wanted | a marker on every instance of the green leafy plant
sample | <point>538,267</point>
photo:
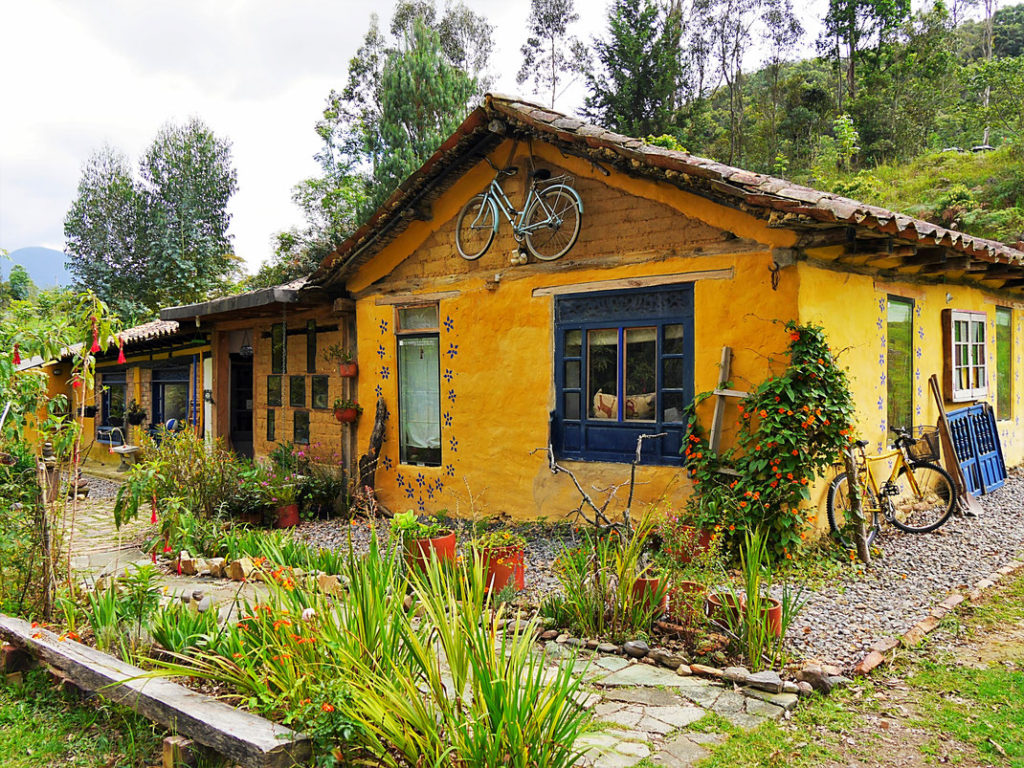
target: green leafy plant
<point>408,527</point>
<point>339,353</point>
<point>180,629</point>
<point>344,404</point>
<point>499,539</point>
<point>792,428</point>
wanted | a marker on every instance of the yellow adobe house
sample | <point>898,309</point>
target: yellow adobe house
<point>166,371</point>
<point>483,363</point>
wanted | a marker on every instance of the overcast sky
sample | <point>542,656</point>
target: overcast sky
<point>77,75</point>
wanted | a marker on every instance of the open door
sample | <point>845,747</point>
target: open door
<point>241,407</point>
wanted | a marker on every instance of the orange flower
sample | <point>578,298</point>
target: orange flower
<point>282,622</point>
<point>795,452</point>
<point>774,483</point>
<point>327,707</point>
<point>794,335</point>
<point>789,475</point>
<point>782,410</point>
<point>305,701</point>
<point>821,361</point>
<point>732,527</point>
<point>236,655</point>
<point>764,413</point>
<point>743,504</point>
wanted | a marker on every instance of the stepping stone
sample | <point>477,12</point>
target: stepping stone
<point>764,709</point>
<point>651,697</point>
<point>627,718</point>
<point>676,717</point>
<point>612,663</point>
<point>680,752</point>
<point>784,700</point>
<point>728,702</point>
<point>646,675</point>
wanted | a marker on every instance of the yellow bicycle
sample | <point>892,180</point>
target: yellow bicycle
<point>917,496</point>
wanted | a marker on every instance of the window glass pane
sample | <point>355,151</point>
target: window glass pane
<point>572,373</point>
<point>673,339</point>
<point>417,318</point>
<point>319,394</point>
<point>277,348</point>
<point>271,427</point>
<point>572,405</point>
<point>573,343</point>
<point>419,400</point>
<point>979,330</point>
<point>301,427</point>
<point>1004,363</point>
<point>959,332</point>
<point>602,373</point>
<point>170,402</point>
<point>673,372</point>
<point>273,390</point>
<point>641,366</point>
<point>900,372</point>
<point>297,391</point>
<point>672,406</point>
<point>311,346</point>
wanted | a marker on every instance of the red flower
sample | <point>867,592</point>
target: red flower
<point>794,335</point>
<point>120,351</point>
<point>17,357</point>
<point>327,707</point>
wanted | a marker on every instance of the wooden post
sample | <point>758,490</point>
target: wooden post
<point>368,461</point>
<point>856,506</point>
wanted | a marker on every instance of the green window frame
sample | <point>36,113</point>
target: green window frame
<point>1004,363</point>
<point>900,363</point>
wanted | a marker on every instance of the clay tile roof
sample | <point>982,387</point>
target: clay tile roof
<point>797,206</point>
<point>151,330</point>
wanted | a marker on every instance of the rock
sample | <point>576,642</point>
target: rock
<point>666,659</point>
<point>203,605</point>
<point>592,645</point>
<point>330,585</point>
<point>197,594</point>
<point>205,574</point>
<point>831,669</point>
<point>548,634</point>
<point>562,638</point>
<point>575,642</point>
<point>765,681</point>
<point>648,661</point>
<point>188,566</point>
<point>838,681</point>
<point>683,670</point>
<point>241,569</point>
<point>554,650</point>
<point>735,674</point>
<point>636,648</point>
<point>804,688</point>
<point>216,566</point>
<point>704,671</point>
<point>817,677</point>
<point>608,648</point>
<point>790,687</point>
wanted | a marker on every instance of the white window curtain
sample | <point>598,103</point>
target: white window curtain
<point>419,392</point>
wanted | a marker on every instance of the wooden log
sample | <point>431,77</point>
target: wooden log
<point>240,736</point>
<point>368,461</point>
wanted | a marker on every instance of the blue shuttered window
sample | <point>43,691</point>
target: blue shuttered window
<point>623,367</point>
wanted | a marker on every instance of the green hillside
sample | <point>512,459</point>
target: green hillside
<point>979,193</point>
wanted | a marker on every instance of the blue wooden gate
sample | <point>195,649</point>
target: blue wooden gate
<point>976,441</point>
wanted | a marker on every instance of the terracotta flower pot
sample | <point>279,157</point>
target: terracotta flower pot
<point>699,541</point>
<point>348,370</point>
<point>503,566</point>
<point>724,607</point>
<point>772,615</point>
<point>646,591</point>
<point>287,516</point>
<point>346,415</point>
<point>418,552</point>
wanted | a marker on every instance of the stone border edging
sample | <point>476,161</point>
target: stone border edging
<point>914,635</point>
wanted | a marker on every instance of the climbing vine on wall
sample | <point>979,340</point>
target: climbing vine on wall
<point>791,429</point>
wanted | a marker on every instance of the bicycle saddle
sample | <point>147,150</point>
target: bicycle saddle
<point>861,443</point>
<point>541,174</point>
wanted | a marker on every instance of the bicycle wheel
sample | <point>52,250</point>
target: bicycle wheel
<point>840,518</point>
<point>925,511</point>
<point>475,227</point>
<point>552,223</point>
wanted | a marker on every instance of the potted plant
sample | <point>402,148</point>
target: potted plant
<point>347,366</point>
<point>136,415</point>
<point>347,411</point>
<point>501,553</point>
<point>423,540</point>
<point>283,497</point>
<point>690,535</point>
<point>650,589</point>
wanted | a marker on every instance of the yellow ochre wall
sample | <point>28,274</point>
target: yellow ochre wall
<point>496,337</point>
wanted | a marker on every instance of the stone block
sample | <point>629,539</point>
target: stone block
<point>179,752</point>
<point>216,566</point>
<point>703,671</point>
<point>666,659</point>
<point>765,681</point>
<point>886,644</point>
<point>868,663</point>
<point>241,569</point>
<point>735,674</point>
<point>952,601</point>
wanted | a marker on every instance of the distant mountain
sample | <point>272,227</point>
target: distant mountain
<point>44,265</point>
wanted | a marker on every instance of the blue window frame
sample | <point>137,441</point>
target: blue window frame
<point>623,368</point>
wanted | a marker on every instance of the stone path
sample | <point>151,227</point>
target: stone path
<point>643,711</point>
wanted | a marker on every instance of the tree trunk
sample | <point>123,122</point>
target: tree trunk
<point>856,507</point>
<point>368,461</point>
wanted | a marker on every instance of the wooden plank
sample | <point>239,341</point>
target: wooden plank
<point>240,736</point>
<point>635,282</point>
<point>715,438</point>
<point>415,298</point>
<point>730,393</point>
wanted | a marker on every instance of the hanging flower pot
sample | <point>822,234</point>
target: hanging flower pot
<point>348,370</point>
<point>347,411</point>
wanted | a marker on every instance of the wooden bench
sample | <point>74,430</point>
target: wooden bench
<point>240,736</point>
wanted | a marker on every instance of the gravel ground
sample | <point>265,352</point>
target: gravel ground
<point>101,488</point>
<point>840,621</point>
<point>915,572</point>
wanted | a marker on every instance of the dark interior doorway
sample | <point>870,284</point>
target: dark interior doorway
<point>241,407</point>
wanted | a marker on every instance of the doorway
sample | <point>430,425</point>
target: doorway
<point>241,407</point>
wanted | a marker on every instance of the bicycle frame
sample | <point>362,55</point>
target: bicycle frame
<point>900,463</point>
<point>495,194</point>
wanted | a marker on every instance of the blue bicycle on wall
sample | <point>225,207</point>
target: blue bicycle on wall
<point>548,224</point>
